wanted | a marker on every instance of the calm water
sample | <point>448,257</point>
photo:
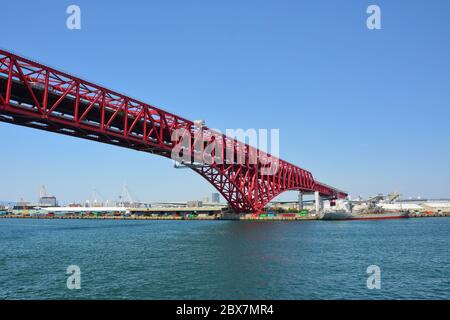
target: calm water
<point>225,259</point>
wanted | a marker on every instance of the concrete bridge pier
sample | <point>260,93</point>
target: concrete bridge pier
<point>318,203</point>
<point>300,200</point>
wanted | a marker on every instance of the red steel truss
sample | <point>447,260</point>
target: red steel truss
<point>37,96</point>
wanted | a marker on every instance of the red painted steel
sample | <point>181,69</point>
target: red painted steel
<point>38,96</point>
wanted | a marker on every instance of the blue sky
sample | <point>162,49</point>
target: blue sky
<point>365,110</point>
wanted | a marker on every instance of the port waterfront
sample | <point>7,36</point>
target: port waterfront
<point>219,217</point>
<point>244,217</point>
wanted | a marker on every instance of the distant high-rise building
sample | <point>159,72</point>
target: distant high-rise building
<point>215,198</point>
<point>48,201</point>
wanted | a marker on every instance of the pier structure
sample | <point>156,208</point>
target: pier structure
<point>317,203</point>
<point>300,201</point>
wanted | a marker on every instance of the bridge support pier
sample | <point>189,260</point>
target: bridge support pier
<point>318,203</point>
<point>300,200</point>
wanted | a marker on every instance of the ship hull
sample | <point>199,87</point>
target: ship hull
<point>381,216</point>
<point>349,216</point>
<point>337,216</point>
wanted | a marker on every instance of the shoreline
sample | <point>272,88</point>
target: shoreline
<point>227,218</point>
<point>167,218</point>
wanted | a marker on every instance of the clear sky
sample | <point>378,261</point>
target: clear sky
<point>365,110</point>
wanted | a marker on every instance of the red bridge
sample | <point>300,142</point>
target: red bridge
<point>37,96</point>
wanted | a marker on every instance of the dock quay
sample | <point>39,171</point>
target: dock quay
<point>429,214</point>
<point>242,217</point>
<point>228,217</point>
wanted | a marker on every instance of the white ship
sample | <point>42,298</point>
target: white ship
<point>342,210</point>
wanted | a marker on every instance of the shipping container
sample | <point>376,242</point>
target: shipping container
<point>288,215</point>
